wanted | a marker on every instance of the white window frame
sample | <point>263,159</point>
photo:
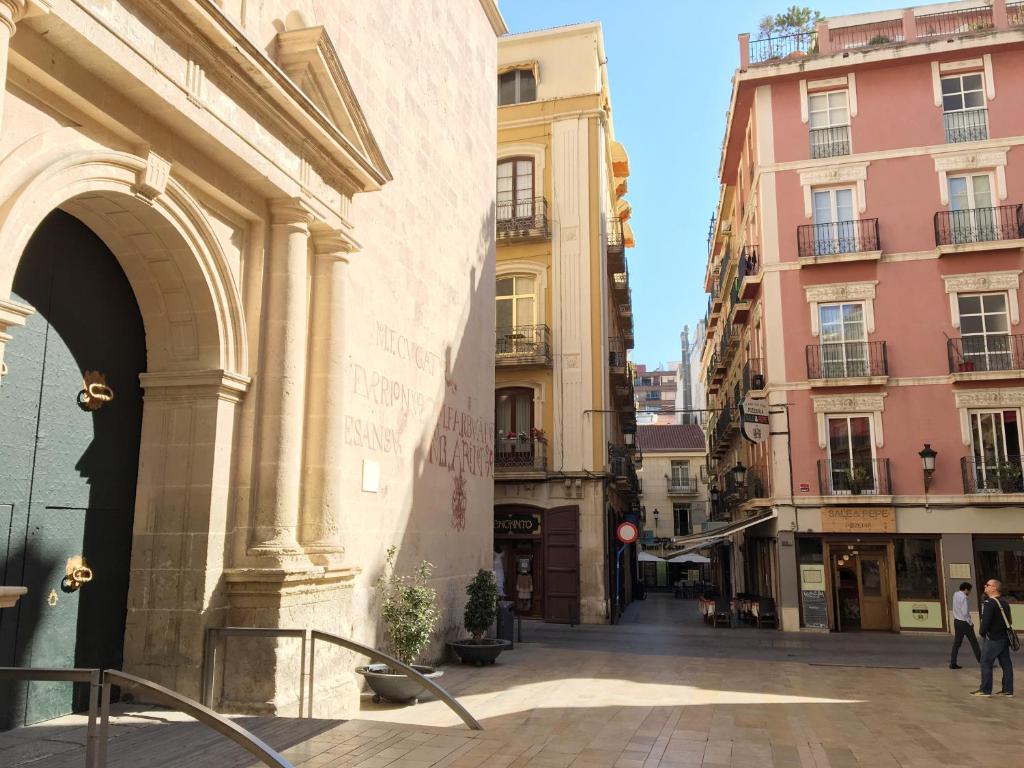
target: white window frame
<point>848,366</point>
<point>981,470</point>
<point>1000,358</point>
<point>684,470</point>
<point>972,217</point>
<point>837,239</point>
<point>960,76</point>
<point>871,442</point>
<point>828,108</point>
<point>677,508</point>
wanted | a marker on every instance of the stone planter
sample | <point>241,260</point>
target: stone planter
<point>478,652</point>
<point>397,689</point>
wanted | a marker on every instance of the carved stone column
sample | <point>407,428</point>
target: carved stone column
<point>282,382</point>
<point>11,314</point>
<point>11,12</point>
<point>322,490</point>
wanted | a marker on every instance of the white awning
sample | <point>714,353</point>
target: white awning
<point>646,557</point>
<point>694,541</point>
<point>690,558</point>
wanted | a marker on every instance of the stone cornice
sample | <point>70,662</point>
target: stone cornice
<point>188,385</point>
<point>493,15</point>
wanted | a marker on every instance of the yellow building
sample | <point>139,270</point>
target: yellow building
<point>564,474</point>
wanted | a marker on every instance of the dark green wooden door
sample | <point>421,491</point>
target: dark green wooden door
<point>67,474</point>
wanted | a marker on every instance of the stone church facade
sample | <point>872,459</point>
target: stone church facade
<point>246,325</point>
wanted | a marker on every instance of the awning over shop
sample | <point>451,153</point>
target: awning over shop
<point>694,541</point>
<point>690,558</point>
<point>624,210</point>
<point>627,235</point>
<point>647,557</point>
<point>620,160</point>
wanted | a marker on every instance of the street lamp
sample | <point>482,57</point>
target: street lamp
<point>928,464</point>
<point>739,474</point>
<point>627,438</point>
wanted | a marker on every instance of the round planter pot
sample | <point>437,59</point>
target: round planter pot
<point>397,689</point>
<point>479,653</point>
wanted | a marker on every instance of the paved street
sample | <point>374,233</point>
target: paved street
<point>659,690</point>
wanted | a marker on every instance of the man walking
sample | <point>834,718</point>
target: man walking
<point>995,612</point>
<point>962,625</point>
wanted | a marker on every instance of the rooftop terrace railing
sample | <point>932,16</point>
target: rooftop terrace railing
<point>862,35</point>
<point>957,22</point>
<point>783,46</point>
<point>1015,14</point>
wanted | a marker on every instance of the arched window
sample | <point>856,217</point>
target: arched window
<point>515,312</point>
<point>515,189</point>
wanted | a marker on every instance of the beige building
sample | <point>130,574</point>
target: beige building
<point>674,482</point>
<point>564,474</point>
<point>247,284</point>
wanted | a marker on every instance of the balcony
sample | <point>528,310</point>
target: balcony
<point>867,477</point>
<point>966,125</point>
<point>753,378</point>
<point>1015,14</point>
<point>991,356</point>
<point>617,356</point>
<point>710,319</point>
<point>866,35</point>
<point>988,474</point>
<point>522,345</point>
<point>522,219</point>
<point>755,486</point>
<point>616,246</point>
<point>794,46</point>
<point>847,363</point>
<point>830,142</point>
<point>623,470</point>
<point>952,23</point>
<point>971,226</point>
<point>681,486</point>
<point>838,241</point>
<point>749,272</point>
<point>520,454</point>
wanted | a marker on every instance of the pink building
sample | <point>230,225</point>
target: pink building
<point>864,272</point>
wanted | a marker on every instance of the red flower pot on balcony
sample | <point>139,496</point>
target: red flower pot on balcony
<point>966,367</point>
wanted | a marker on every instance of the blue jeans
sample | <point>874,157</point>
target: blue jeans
<point>992,650</point>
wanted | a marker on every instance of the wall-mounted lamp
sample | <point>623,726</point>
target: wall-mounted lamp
<point>627,438</point>
<point>739,474</point>
<point>928,464</point>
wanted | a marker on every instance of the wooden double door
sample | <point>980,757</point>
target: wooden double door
<point>862,587</point>
<point>68,465</point>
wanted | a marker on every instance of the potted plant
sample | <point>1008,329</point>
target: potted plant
<point>879,40</point>
<point>1007,476</point>
<point>860,480</point>
<point>409,614</point>
<point>481,611</point>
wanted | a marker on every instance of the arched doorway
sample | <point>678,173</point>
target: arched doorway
<point>68,483</point>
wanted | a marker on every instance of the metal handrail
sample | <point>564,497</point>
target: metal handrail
<point>310,636</point>
<point>195,710</point>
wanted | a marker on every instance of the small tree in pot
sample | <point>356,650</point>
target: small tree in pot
<point>481,611</point>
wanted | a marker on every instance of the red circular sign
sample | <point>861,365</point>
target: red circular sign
<point>627,533</point>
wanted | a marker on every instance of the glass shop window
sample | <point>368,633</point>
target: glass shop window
<point>917,569</point>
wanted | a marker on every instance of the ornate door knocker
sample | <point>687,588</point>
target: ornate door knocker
<point>95,393</point>
<point>77,573</point>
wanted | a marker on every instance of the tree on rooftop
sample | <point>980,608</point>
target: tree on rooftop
<point>795,20</point>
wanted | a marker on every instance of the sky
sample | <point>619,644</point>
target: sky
<point>670,63</point>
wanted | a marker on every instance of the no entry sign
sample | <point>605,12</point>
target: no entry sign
<point>627,533</point>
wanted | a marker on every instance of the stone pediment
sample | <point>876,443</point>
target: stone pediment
<point>309,58</point>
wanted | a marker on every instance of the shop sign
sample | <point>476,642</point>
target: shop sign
<point>858,520</point>
<point>517,524</point>
<point>920,615</point>
<point>754,420</point>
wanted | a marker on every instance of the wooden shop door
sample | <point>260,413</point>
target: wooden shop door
<point>562,565</point>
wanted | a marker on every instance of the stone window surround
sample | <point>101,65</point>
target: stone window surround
<point>982,282</point>
<point>967,66</point>
<point>525,149</point>
<point>839,174</point>
<point>846,82</point>
<point>871,405</point>
<point>831,293</point>
<point>538,396</point>
<point>984,399</point>
<point>529,269</point>
<point>987,160</point>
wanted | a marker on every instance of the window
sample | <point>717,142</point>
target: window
<point>513,420</point>
<point>844,347</point>
<point>515,314</point>
<point>516,87</point>
<point>917,569</point>
<point>963,107</point>
<point>653,395</point>
<point>680,519</point>
<point>995,450</point>
<point>834,228</point>
<point>970,202</point>
<point>1002,559</point>
<point>515,189</point>
<point>985,331</point>
<point>680,472</point>
<point>829,121</point>
<point>850,454</point>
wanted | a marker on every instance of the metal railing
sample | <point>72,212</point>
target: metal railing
<point>979,225</point>
<point>616,240</point>
<point>867,477</point>
<point>863,35</point>
<point>1015,14</point>
<point>98,719</point>
<point>681,485</point>
<point>989,352</point>
<point>836,237</point>
<point>955,22</point>
<point>783,46</point>
<point>617,353</point>
<point>830,142</point>
<point>522,452</point>
<point>847,360</point>
<point>522,344</point>
<point>755,486</point>
<point>307,677</point>
<point>989,474</point>
<point>966,125</point>
<point>750,261</point>
<point>753,377</point>
<point>522,218</point>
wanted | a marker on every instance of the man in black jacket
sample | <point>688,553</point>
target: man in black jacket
<point>997,644</point>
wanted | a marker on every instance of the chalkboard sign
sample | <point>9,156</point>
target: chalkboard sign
<point>815,611</point>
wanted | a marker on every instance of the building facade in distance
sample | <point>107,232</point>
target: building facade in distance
<point>564,466</point>
<point>656,394</point>
<point>246,300</point>
<point>864,273</point>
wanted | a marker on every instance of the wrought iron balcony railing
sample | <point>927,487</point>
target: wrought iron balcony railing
<point>847,360</point>
<point>617,353</point>
<point>863,35</point>
<point>979,225</point>
<point>867,477</point>
<point>986,352</point>
<point>753,375</point>
<point>966,125</point>
<point>1015,14</point>
<point>957,22</point>
<point>520,452</point>
<point>830,142</point>
<point>616,240</point>
<point>991,474</point>
<point>832,238</point>
<point>755,486</point>
<point>522,218</point>
<point>681,486</point>
<point>522,344</point>
<point>783,46</point>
